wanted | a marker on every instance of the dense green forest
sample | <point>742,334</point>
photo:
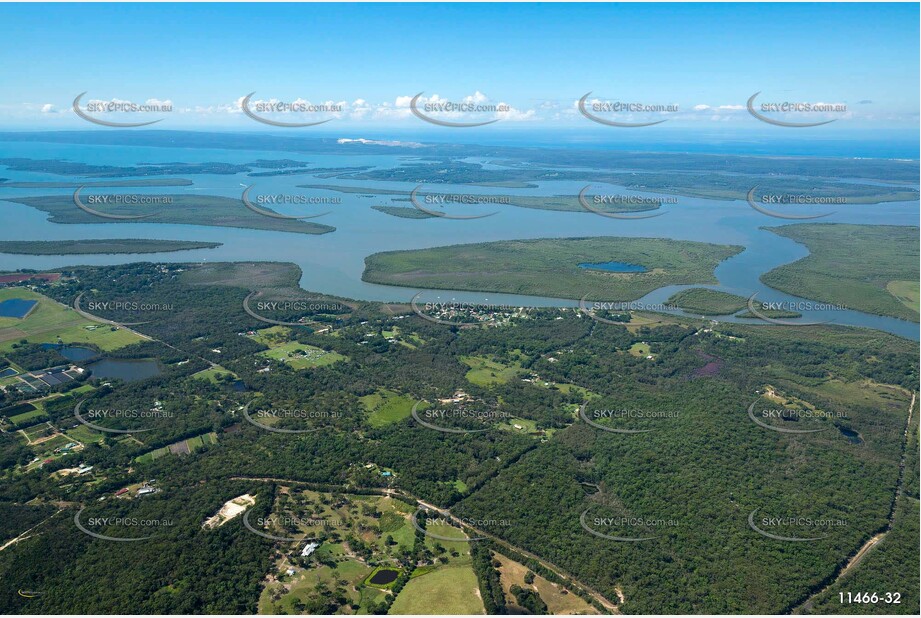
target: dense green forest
<point>689,480</point>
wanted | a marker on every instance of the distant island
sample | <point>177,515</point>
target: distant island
<point>553,267</point>
<point>211,210</point>
<point>100,246</point>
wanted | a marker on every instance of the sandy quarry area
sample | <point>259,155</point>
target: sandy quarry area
<point>231,509</point>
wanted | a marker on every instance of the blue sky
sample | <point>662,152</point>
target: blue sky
<point>537,60</point>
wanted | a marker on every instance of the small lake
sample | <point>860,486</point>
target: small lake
<point>129,370</point>
<point>614,267</point>
<point>16,307</point>
<point>72,352</point>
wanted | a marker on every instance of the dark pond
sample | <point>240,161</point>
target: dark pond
<point>614,267</point>
<point>384,576</point>
<point>850,434</point>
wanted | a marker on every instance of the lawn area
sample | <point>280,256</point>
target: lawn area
<point>82,433</point>
<point>273,336</point>
<point>572,388</point>
<point>297,588</point>
<point>486,372</point>
<point>211,374</point>
<point>183,446</point>
<point>301,356</point>
<point>640,349</point>
<point>372,519</point>
<point>449,589</point>
<point>523,425</point>
<point>385,407</point>
<point>50,321</point>
<point>870,268</point>
<point>23,419</point>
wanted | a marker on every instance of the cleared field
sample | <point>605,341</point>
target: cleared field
<point>291,593</point>
<point>908,293</point>
<point>84,434</point>
<point>23,419</point>
<point>381,531</point>
<point>558,600</point>
<point>385,407</point>
<point>301,356</point>
<point>51,321</point>
<point>183,447</point>
<point>640,349</point>
<point>448,590</point>
<point>211,374</point>
<point>486,372</point>
<point>273,336</point>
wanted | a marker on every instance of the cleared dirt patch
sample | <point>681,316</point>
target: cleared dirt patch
<point>232,508</point>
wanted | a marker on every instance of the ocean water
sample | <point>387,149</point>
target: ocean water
<point>333,263</point>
